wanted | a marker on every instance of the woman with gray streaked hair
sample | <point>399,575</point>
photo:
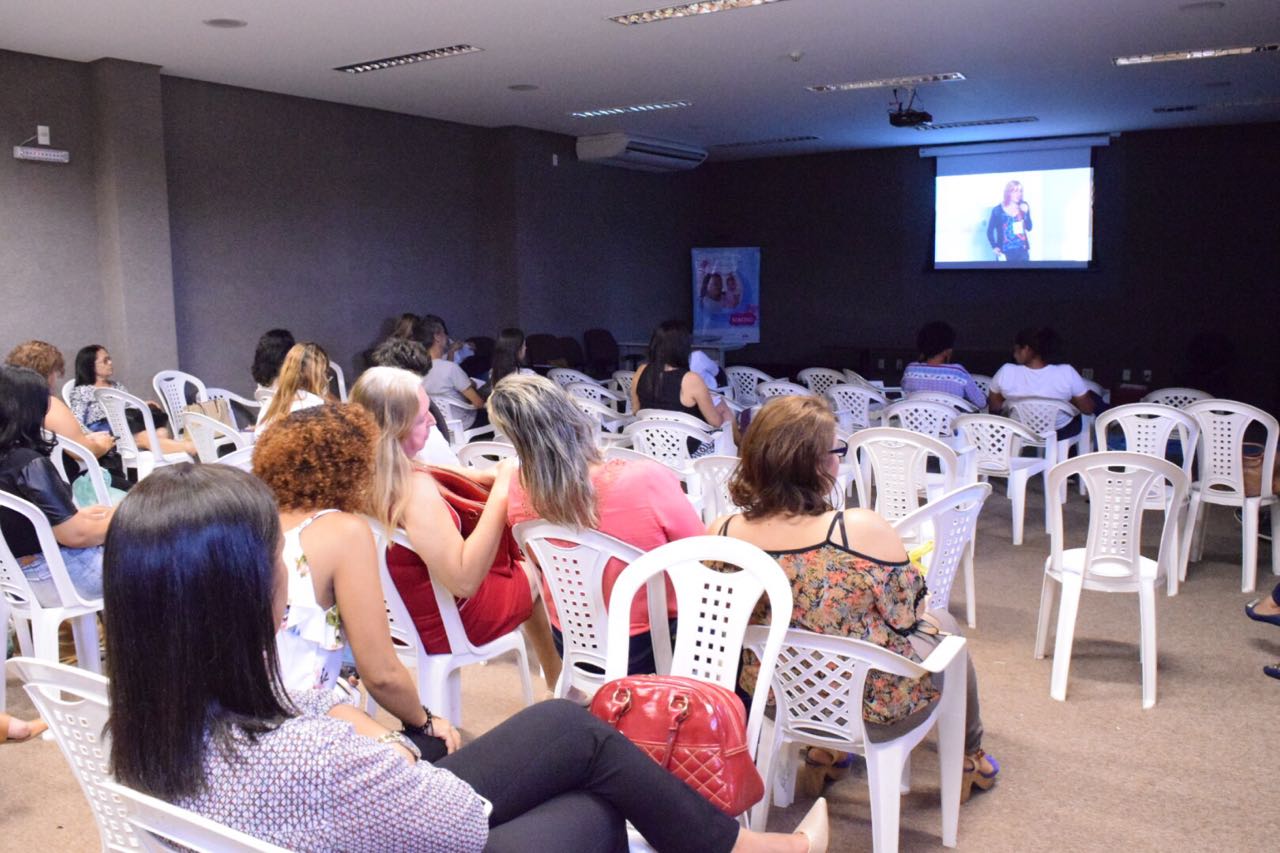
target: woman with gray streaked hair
<point>564,479</point>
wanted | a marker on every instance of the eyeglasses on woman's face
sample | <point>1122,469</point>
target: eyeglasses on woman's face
<point>841,449</point>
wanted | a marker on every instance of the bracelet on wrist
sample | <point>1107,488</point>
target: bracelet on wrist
<point>426,728</point>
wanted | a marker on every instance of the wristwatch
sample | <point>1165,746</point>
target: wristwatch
<point>400,740</point>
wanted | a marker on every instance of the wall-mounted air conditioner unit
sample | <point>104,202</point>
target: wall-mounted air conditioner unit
<point>637,152</point>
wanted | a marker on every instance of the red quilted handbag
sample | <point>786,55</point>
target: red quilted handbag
<point>695,729</point>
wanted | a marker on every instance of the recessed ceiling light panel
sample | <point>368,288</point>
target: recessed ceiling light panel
<point>408,58</point>
<point>888,82</point>
<point>634,108</point>
<point>779,140</point>
<point>985,122</point>
<point>1200,53</point>
<point>686,10</point>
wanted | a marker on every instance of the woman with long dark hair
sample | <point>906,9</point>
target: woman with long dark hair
<point>666,382</point>
<point>272,347</point>
<point>201,545</point>
<point>27,472</point>
<point>95,369</point>
<point>849,574</point>
<point>508,358</point>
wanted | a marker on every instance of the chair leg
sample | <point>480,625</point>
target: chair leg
<point>1249,555</point>
<point>526,682</point>
<point>1046,610</point>
<point>1275,534</point>
<point>85,631</point>
<point>44,639</point>
<point>970,591</point>
<point>884,774</point>
<point>1189,533</point>
<point>1068,605</point>
<point>1147,626</point>
<point>951,734</point>
<point>1202,525</point>
<point>1017,492</point>
<point>904,783</point>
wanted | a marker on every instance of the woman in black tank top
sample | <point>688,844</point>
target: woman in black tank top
<point>666,382</point>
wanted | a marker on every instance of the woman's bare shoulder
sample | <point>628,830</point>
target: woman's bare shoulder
<point>870,534</point>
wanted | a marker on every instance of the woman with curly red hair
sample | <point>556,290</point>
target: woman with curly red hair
<point>319,462</point>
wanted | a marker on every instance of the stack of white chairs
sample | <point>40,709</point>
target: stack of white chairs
<point>36,625</point>
<point>857,406</point>
<point>439,676</point>
<point>566,376</point>
<point>115,402</point>
<point>745,380</point>
<point>820,379</point>
<point>998,443</point>
<point>1220,480</point>
<point>1178,398</point>
<point>1111,559</point>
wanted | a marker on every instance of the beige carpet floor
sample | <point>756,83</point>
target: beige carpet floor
<point>1094,773</point>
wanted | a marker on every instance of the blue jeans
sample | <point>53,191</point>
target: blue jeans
<point>84,565</point>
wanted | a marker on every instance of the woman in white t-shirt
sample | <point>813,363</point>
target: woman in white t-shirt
<point>303,382</point>
<point>1035,376</point>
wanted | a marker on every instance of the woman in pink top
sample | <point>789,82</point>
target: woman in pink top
<point>565,480</point>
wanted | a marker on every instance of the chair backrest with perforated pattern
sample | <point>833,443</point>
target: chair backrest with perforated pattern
<point>960,404</point>
<point>566,376</point>
<point>74,704</point>
<point>1178,398</point>
<point>484,454</point>
<point>819,379</point>
<point>922,416</point>
<point>897,460</point>
<point>204,433</point>
<point>781,388</point>
<point>66,447</point>
<point>665,440</point>
<point>744,381</point>
<point>160,826</point>
<point>714,472</point>
<point>171,387</point>
<point>1147,429</point>
<point>950,521</point>
<point>1220,452</point>
<point>1039,414</point>
<point>996,440</point>
<point>1115,483</point>
<point>857,400</point>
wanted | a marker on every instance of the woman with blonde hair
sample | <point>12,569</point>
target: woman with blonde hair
<point>849,574</point>
<point>496,593</point>
<point>303,382</point>
<point>565,480</point>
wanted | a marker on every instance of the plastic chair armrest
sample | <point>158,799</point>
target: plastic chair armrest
<point>942,656</point>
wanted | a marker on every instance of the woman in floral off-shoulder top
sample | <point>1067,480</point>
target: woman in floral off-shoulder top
<point>849,574</point>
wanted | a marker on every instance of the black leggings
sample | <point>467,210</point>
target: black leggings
<point>559,779</point>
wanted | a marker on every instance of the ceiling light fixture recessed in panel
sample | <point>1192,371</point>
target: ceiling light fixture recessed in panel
<point>408,58</point>
<point>888,82</point>
<point>225,23</point>
<point>984,122</point>
<point>1199,53</point>
<point>685,10</point>
<point>778,140</point>
<point>634,108</point>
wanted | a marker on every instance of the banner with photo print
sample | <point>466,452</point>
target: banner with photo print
<point>726,294</point>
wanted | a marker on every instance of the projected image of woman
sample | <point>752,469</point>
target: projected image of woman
<point>1008,226</point>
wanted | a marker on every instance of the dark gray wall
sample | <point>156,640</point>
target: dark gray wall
<point>1185,222</point>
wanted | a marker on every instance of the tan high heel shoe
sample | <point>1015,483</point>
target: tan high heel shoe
<point>980,770</point>
<point>816,827</point>
<point>820,767</point>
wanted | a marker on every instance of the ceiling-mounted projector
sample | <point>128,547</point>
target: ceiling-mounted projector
<point>909,118</point>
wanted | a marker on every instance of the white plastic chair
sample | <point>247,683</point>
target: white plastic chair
<point>66,447</point>
<point>1040,415</point>
<point>114,402</point>
<point>895,465</point>
<point>983,382</point>
<point>482,455</point>
<point>573,564</point>
<point>338,379</point>
<point>566,376</point>
<point>1220,480</point>
<point>242,459</point>
<point>171,388</point>
<point>251,407</point>
<point>160,826</point>
<point>667,440</point>
<point>597,393</point>
<point>36,625</point>
<point>208,434</point>
<point>950,522</point>
<point>960,404</point>
<point>618,451</point>
<point>439,676</point>
<point>744,381</point>
<point>1178,398</point>
<point>66,391</point>
<point>1111,560</point>
<point>998,442</point>
<point>820,379</point>
<point>713,474</point>
<point>856,405</point>
<point>74,703</point>
<point>781,388</point>
<point>923,416</point>
<point>819,683</point>
<point>460,416</point>
<point>714,608</point>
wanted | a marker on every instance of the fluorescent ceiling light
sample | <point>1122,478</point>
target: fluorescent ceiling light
<point>1217,105</point>
<point>634,108</point>
<point>408,58</point>
<point>686,10</point>
<point>778,140</point>
<point>1202,53</point>
<point>985,122</point>
<point>888,82</point>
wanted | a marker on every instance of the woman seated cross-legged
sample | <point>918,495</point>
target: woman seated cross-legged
<point>496,592</point>
<point>849,574</point>
<point>201,545</point>
<point>564,479</point>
